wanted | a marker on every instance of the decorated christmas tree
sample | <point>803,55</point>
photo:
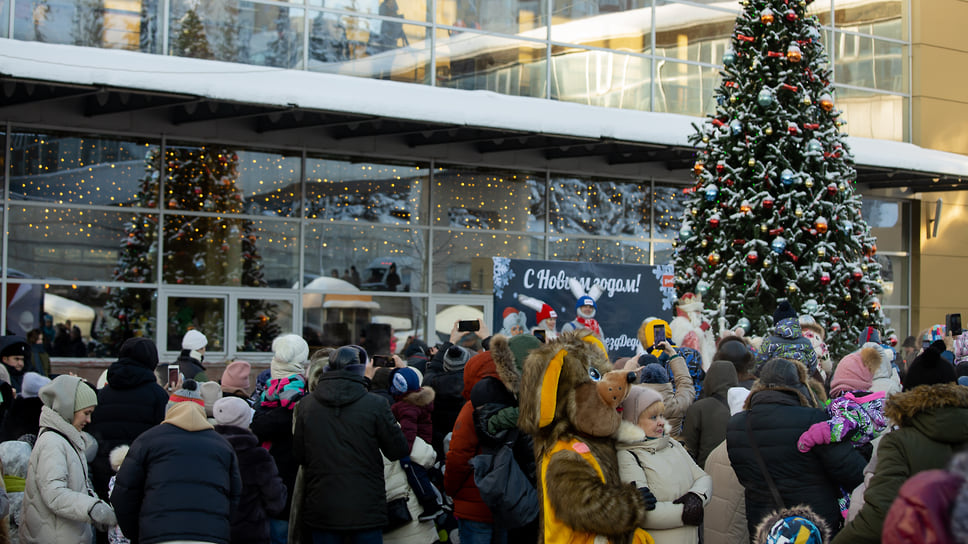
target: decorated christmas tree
<point>774,213</point>
<point>215,248</point>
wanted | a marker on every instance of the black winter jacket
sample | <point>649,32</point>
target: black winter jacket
<point>177,485</point>
<point>812,478</point>
<point>340,431</point>
<point>23,417</point>
<point>263,493</point>
<point>449,398</point>
<point>190,367</point>
<point>273,427</point>
<point>129,405</point>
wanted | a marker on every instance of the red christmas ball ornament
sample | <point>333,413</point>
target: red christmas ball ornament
<point>832,189</point>
<point>198,190</point>
<point>698,167</point>
<point>824,278</point>
<point>790,15</point>
<point>835,327</point>
<point>720,166</point>
<point>857,275</point>
<point>173,203</point>
<point>835,259</point>
<point>714,221</point>
<point>752,257</point>
<point>768,203</point>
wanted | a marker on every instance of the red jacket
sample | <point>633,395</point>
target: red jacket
<point>459,475</point>
<point>921,513</point>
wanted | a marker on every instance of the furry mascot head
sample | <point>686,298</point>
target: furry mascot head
<point>569,404</point>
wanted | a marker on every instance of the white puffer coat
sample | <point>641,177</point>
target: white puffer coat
<point>415,532</point>
<point>665,467</point>
<point>57,496</point>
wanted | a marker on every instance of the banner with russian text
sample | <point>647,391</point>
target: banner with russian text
<point>630,293</point>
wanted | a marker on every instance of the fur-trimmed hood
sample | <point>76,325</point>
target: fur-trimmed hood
<point>800,511</point>
<point>423,397</point>
<point>503,357</point>
<point>939,411</point>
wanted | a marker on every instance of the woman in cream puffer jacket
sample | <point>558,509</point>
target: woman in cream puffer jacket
<point>59,504</point>
<point>397,487</point>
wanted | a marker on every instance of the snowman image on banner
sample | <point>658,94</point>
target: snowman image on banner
<point>585,308</point>
<point>545,315</point>
<point>514,321</point>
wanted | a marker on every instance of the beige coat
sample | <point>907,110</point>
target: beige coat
<point>725,521</point>
<point>57,499</point>
<point>677,396</point>
<point>396,484</point>
<point>665,467</point>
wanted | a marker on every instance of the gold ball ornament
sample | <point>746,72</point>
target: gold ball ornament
<point>713,258</point>
<point>768,131</point>
<point>704,242</point>
<point>751,163</point>
<point>865,314</point>
<point>808,183</point>
<point>791,288</point>
<point>705,139</point>
<point>730,274</point>
<point>821,252</point>
<point>798,212</point>
<point>807,101</point>
<point>698,167</point>
<point>767,263</point>
<point>764,228</point>
<point>767,17</point>
<point>695,211</point>
<point>793,53</point>
<point>847,297</point>
<point>863,267</point>
<point>733,99</point>
<point>826,103</point>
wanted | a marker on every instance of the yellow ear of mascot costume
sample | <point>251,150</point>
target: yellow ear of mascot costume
<point>568,404</point>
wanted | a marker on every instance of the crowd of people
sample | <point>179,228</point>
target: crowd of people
<point>769,442</point>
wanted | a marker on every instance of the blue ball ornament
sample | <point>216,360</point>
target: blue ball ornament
<point>787,177</point>
<point>743,323</point>
<point>729,57</point>
<point>711,193</point>
<point>813,146</point>
<point>685,233</point>
<point>720,100</point>
<point>736,127</point>
<point>810,307</point>
<point>702,288</point>
<point>778,244</point>
<point>765,98</point>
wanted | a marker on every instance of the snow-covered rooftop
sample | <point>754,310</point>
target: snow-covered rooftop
<point>338,93</point>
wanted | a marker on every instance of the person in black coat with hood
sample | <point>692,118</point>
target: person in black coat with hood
<point>131,403</point>
<point>780,407</point>
<point>340,432</point>
<point>23,417</point>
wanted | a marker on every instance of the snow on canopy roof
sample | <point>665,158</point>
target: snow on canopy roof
<point>481,109</point>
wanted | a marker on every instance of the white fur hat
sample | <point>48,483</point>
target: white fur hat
<point>117,455</point>
<point>289,352</point>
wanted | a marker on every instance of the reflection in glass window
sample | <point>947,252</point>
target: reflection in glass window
<point>237,31</point>
<point>882,18</point>
<point>888,220</point>
<point>869,62</point>
<point>383,193</point>
<point>598,250</point>
<point>368,47</point>
<point>563,11</point>
<point>479,62</point>
<point>207,250</point>
<point>662,253</point>
<point>260,321</point>
<point>361,257</point>
<point>686,32</point>
<point>337,319</point>
<point>629,31</point>
<point>206,315</point>
<point>870,114</point>
<point>43,239</point>
<point>106,317</point>
<point>686,88</point>
<point>894,279</point>
<point>115,24</point>
<point>462,259</point>
<point>56,167</point>
<point>598,207</point>
<point>601,78</point>
<point>412,10</point>
<point>488,199</point>
<point>500,16</point>
<point>668,205</point>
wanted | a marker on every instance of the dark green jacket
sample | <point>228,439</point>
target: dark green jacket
<point>933,423</point>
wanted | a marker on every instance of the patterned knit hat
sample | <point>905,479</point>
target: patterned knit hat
<point>404,380</point>
<point>455,358</point>
<point>797,525</point>
<point>189,392</point>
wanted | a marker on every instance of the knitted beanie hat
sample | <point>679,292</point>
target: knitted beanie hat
<point>232,411</point>
<point>194,340</point>
<point>84,396</point>
<point>929,368</point>
<point>521,345</point>
<point>189,392</point>
<point>210,393</point>
<point>404,380</point>
<point>640,397</point>
<point>289,352</point>
<point>653,373</point>
<point>236,377</point>
<point>32,384</point>
<point>455,358</point>
<point>783,311</point>
<point>854,373</point>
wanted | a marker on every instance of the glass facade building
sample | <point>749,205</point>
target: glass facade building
<point>134,232</point>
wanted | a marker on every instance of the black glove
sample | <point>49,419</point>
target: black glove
<point>692,509</point>
<point>648,497</point>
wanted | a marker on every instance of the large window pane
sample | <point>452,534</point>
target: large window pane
<point>873,115</point>
<point>567,16</point>
<point>462,259</point>
<point>369,47</point>
<point>598,250</point>
<point>368,192</point>
<point>882,18</point>
<point>479,62</point>
<point>259,321</point>
<point>237,31</point>
<point>42,240</point>
<point>63,168</point>
<point>504,16</point>
<point>686,88</point>
<point>339,318</point>
<point>894,277</point>
<point>869,62</point>
<point>899,320</point>
<point>821,9</point>
<point>212,250</point>
<point>488,199</point>
<point>205,314</point>
<point>630,30</point>
<point>889,222</point>
<point>686,32</point>
<point>226,180</point>
<point>360,257</point>
<point>668,205</point>
<point>662,253</point>
<point>599,207</point>
<point>600,78</point>
<point>413,10</point>
<point>116,24</point>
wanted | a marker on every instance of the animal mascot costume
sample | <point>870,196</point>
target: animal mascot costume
<point>568,404</point>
